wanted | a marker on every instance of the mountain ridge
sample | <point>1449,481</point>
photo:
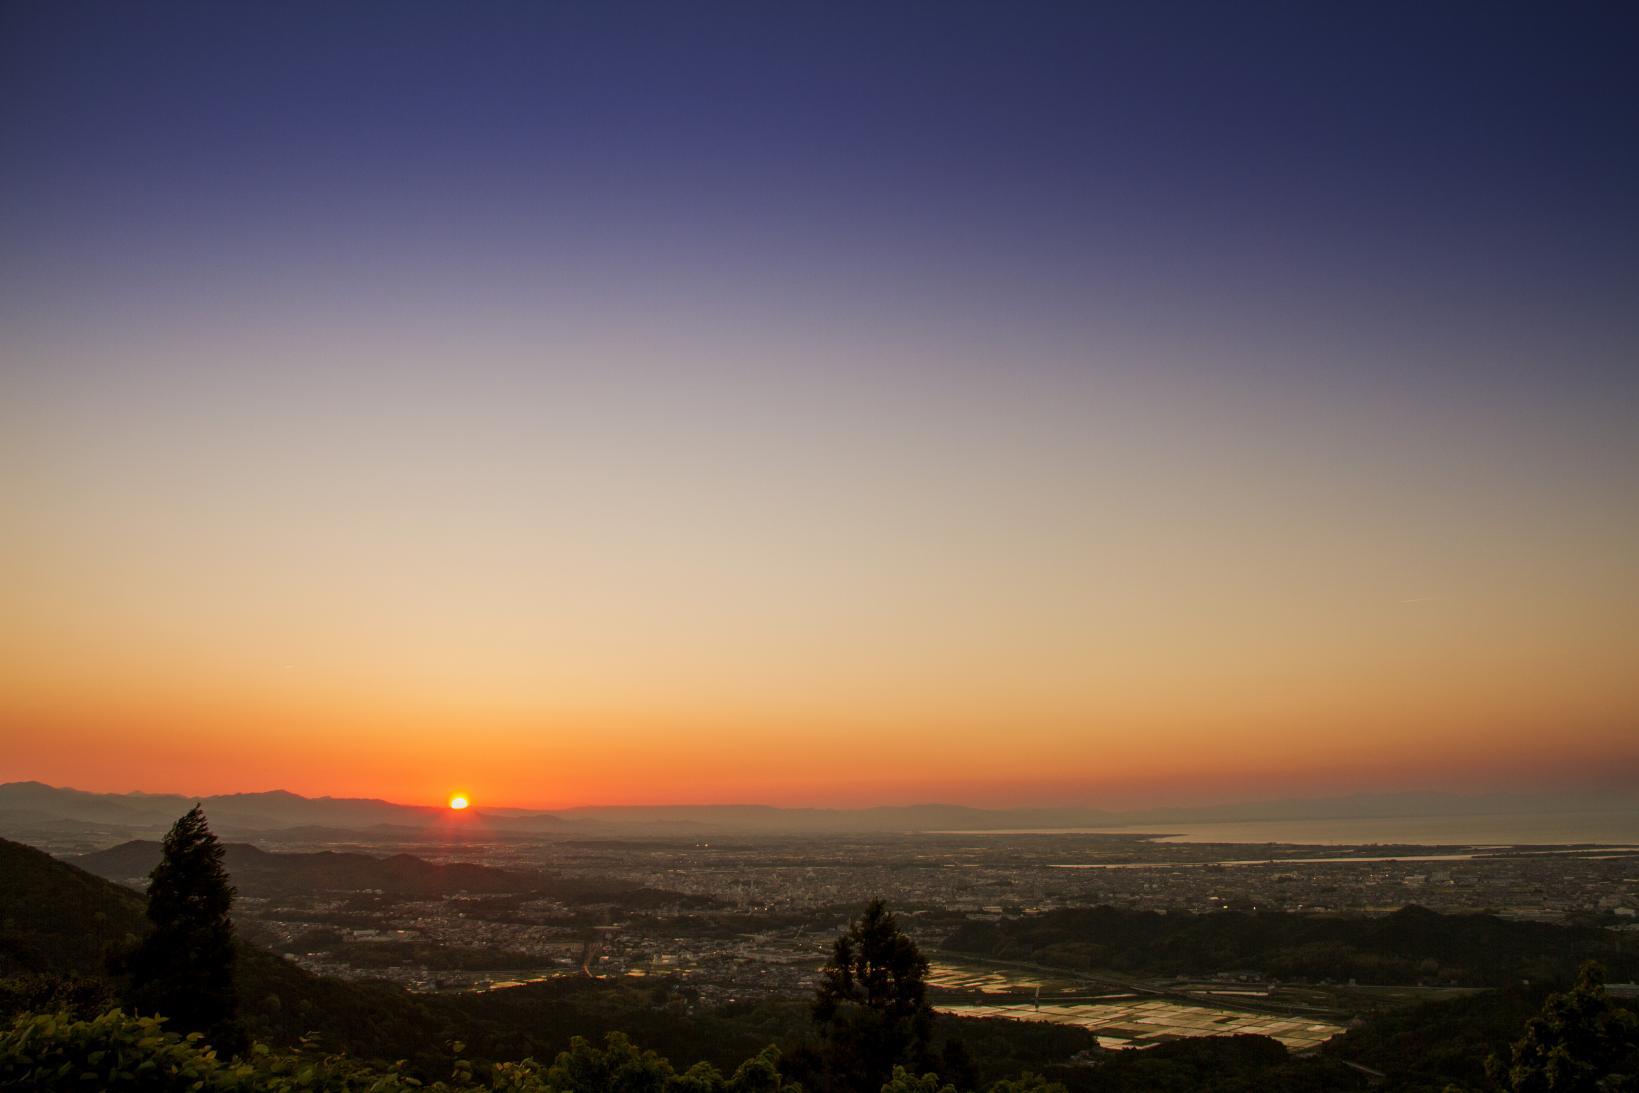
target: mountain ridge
<point>33,805</point>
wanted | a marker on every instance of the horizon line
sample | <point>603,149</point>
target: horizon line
<point>479,807</point>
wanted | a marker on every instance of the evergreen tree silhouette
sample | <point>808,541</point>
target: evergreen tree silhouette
<point>184,968</point>
<point>871,1003</point>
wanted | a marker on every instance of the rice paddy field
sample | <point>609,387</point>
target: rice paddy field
<point>1120,1019</point>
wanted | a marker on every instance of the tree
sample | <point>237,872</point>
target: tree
<point>620,1066</point>
<point>871,1004</point>
<point>1580,1043</point>
<point>184,968</point>
<point>903,1081</point>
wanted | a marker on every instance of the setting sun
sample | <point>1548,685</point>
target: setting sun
<point>458,802</point>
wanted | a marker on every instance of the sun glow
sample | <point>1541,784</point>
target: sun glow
<point>458,802</point>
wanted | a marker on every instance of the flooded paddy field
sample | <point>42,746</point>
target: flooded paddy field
<point>1143,1022</point>
<point>1121,1018</point>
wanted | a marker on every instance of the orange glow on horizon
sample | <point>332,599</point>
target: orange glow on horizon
<point>746,621</point>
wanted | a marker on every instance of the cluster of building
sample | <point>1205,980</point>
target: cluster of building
<point>780,903</point>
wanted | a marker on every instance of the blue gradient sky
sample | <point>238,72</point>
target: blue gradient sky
<point>604,402</point>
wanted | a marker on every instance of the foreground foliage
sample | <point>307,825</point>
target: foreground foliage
<point>1581,1041</point>
<point>117,1051</point>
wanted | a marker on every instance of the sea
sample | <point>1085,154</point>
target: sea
<point>1544,829</point>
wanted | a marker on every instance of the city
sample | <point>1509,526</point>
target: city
<point>740,917</point>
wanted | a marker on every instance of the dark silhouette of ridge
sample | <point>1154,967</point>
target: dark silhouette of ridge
<point>258,872</point>
<point>26,807</point>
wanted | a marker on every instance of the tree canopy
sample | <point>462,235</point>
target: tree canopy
<point>1579,1043</point>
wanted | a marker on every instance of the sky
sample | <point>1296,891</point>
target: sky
<point>576,403</point>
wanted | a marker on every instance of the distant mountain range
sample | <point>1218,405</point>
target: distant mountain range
<point>70,818</point>
<point>39,813</point>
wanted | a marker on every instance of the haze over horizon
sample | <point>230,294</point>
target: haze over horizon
<point>624,403</point>
<point>1037,796</point>
<point>264,811</point>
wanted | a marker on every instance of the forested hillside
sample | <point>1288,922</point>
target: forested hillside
<point>1408,946</point>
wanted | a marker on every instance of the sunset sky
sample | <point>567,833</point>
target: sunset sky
<point>821,404</point>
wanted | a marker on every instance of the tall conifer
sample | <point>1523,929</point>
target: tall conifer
<point>871,1004</point>
<point>184,968</point>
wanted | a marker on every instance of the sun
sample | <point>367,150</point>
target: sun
<point>458,802</point>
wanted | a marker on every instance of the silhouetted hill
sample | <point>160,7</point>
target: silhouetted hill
<point>257,872</point>
<point>261,872</point>
<point>60,920</point>
<point>1408,946</point>
<point>54,918</point>
<point>1434,1044</point>
<point>32,809</point>
<point>28,807</point>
